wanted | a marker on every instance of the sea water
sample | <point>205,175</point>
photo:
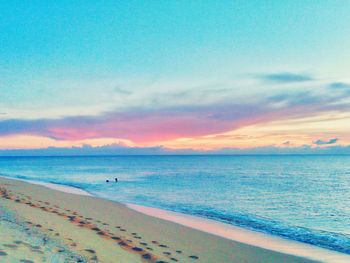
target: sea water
<point>303,198</point>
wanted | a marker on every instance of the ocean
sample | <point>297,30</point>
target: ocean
<point>302,198</point>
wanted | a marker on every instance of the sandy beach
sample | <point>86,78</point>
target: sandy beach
<point>39,224</point>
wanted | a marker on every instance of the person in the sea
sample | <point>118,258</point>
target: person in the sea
<point>116,180</point>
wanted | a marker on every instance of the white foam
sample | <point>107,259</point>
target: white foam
<point>246,236</point>
<point>58,187</point>
<point>62,188</point>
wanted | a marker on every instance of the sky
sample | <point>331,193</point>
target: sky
<point>178,76</point>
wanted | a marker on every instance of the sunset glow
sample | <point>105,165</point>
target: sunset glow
<point>227,79</point>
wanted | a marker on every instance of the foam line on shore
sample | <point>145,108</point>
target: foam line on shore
<point>245,236</point>
<point>58,187</point>
<point>62,188</point>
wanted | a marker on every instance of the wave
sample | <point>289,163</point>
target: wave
<point>329,240</point>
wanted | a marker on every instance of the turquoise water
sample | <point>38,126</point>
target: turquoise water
<point>303,198</point>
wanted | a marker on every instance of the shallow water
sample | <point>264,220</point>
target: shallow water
<point>304,198</point>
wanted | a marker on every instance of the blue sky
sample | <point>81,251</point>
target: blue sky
<point>68,59</point>
<point>171,38</point>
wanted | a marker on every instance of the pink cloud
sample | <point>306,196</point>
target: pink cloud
<point>143,126</point>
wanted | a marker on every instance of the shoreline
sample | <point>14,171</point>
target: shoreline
<point>246,236</point>
<point>58,187</point>
<point>100,230</point>
<point>231,232</point>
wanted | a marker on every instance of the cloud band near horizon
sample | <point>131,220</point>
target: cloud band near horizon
<point>145,125</point>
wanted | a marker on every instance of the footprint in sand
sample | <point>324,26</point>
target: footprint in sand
<point>101,233</point>
<point>93,258</point>
<point>138,249</point>
<point>10,246</point>
<point>122,244</point>
<point>164,246</point>
<point>35,247</point>
<point>146,256</point>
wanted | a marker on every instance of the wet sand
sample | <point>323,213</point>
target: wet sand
<point>88,229</point>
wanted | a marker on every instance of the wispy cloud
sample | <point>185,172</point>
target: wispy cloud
<point>286,77</point>
<point>339,85</point>
<point>140,125</point>
<point>162,123</point>
<point>122,91</point>
<point>325,142</point>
